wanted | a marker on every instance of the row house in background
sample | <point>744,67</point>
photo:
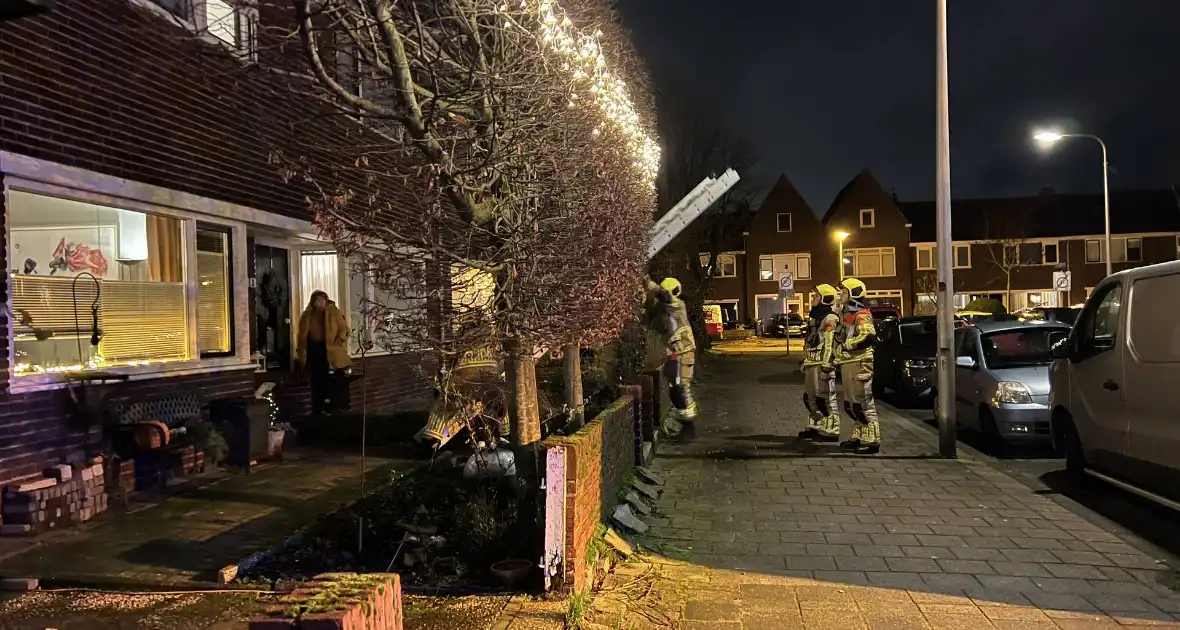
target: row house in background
<point>139,201</point>
<point>786,235</point>
<point>1007,249</point>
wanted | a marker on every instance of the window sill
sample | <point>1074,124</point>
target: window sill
<point>43,383</point>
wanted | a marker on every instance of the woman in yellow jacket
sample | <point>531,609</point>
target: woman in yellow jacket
<point>322,347</point>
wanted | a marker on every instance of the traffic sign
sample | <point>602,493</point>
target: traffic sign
<point>1062,280</point>
<point>786,285</point>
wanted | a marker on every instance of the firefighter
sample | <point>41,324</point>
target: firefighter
<point>819,374</point>
<point>671,333</point>
<point>854,356</point>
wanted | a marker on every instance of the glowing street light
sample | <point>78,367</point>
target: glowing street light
<point>840,236</point>
<point>1048,138</point>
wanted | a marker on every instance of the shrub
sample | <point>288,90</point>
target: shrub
<point>987,305</point>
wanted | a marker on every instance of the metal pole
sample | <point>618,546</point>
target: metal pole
<point>1106,201</point>
<point>945,378</point>
<point>840,256</point>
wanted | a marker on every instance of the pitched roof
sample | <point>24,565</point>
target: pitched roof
<point>864,177</point>
<point>783,196</point>
<point>1049,215</point>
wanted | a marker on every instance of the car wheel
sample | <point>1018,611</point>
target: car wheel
<point>992,439</point>
<point>1075,457</point>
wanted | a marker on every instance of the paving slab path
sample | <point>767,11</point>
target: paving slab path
<point>187,538</point>
<point>757,530</point>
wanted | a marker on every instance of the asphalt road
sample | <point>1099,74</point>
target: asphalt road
<point>1044,471</point>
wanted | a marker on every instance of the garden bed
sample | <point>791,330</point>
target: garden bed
<point>460,527</point>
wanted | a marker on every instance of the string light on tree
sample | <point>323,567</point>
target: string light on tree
<point>583,57</point>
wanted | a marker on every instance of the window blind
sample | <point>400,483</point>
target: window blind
<point>143,321</point>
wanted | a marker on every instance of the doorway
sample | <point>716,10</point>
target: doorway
<point>272,306</point>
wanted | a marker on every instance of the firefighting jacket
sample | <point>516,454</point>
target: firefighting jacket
<point>820,346</point>
<point>856,338</point>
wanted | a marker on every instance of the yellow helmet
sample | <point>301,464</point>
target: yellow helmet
<point>856,288</point>
<point>672,286</point>
<point>827,294</point>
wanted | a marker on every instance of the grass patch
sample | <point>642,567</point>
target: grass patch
<point>579,607</point>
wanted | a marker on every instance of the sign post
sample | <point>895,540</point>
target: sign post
<point>786,291</point>
<point>1063,284</point>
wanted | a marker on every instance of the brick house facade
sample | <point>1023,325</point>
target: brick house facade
<point>107,143</point>
<point>1010,248</point>
<point>890,246</point>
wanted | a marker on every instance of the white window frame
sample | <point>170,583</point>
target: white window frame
<point>1178,247</point>
<point>931,252</point>
<point>198,23</point>
<point>1020,244</point>
<point>1045,247</point>
<point>721,258</point>
<point>776,265</point>
<point>778,222</point>
<point>40,177</point>
<point>1117,243</point>
<point>872,222</point>
<point>857,253</point>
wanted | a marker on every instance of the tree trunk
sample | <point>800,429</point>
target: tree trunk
<point>524,416</point>
<point>571,363</point>
<point>1008,291</point>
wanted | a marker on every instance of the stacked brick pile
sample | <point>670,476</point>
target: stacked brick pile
<point>65,495</point>
<point>149,470</point>
<point>341,601</point>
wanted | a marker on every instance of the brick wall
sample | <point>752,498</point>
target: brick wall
<point>390,382</point>
<point>36,430</point>
<point>598,459</point>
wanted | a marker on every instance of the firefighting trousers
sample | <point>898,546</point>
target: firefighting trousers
<point>857,378</point>
<point>678,373</point>
<point>819,397</point>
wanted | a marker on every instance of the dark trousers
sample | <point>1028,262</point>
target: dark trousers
<point>322,383</point>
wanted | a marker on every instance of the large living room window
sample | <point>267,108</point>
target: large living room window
<point>95,286</point>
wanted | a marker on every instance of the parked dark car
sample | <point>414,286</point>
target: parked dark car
<point>782,324</point>
<point>904,358</point>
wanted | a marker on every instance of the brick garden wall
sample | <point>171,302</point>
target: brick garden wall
<point>598,459</point>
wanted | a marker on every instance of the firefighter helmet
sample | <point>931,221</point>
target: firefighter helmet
<point>856,288</point>
<point>827,294</point>
<point>672,286</point>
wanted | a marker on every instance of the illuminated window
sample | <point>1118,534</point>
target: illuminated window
<point>318,271</point>
<point>82,272</point>
<point>381,309</point>
<point>215,332</point>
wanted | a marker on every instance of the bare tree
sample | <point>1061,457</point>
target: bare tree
<point>1008,250</point>
<point>697,144</point>
<point>495,176</point>
<point>926,286</point>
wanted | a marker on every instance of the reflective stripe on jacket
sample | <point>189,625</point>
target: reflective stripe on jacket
<point>821,353</point>
<point>858,338</point>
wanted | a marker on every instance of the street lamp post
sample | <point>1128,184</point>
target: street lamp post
<point>1049,138</point>
<point>945,377</point>
<point>840,236</point>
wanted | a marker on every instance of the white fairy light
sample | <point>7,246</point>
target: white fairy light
<point>585,60</point>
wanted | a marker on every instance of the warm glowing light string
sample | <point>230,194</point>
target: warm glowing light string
<point>585,60</point>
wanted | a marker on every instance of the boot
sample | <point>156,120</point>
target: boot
<point>810,433</point>
<point>823,437</point>
<point>850,444</point>
<point>869,449</point>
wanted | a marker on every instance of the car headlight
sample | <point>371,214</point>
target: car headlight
<point>1012,392</point>
<point>919,364</point>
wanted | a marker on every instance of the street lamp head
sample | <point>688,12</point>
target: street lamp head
<point>842,235</point>
<point>1047,138</point>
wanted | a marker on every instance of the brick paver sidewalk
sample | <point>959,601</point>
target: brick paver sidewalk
<point>757,531</point>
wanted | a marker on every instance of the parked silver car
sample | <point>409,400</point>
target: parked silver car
<point>1002,378</point>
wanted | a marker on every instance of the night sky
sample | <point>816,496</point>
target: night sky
<point>827,87</point>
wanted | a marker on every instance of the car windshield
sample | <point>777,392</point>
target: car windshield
<point>1020,347</point>
<point>919,333</point>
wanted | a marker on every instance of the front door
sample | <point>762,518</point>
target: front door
<point>272,306</point>
<point>768,306</point>
<point>1096,377</point>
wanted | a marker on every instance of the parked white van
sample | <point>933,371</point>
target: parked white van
<point>1115,384</point>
